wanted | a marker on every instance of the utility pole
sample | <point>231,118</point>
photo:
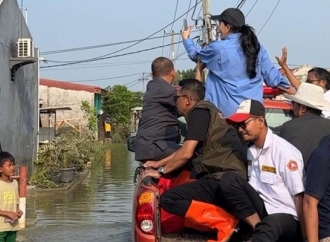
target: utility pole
<point>143,79</point>
<point>207,28</point>
<point>172,52</point>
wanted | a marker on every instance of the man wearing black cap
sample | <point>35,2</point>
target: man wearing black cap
<point>238,64</point>
<point>271,201</point>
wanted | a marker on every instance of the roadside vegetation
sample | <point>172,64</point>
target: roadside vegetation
<point>69,153</point>
<point>73,152</point>
<point>119,102</point>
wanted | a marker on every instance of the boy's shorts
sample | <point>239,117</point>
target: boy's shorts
<point>8,236</point>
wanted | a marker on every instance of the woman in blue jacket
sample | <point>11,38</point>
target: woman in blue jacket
<point>238,64</point>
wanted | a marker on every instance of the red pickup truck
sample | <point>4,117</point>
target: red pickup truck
<point>152,224</point>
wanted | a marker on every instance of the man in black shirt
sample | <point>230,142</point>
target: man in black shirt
<point>317,194</point>
<point>308,128</point>
<point>214,148</point>
<point>158,134</point>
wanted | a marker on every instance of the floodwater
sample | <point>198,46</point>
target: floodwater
<point>97,210</point>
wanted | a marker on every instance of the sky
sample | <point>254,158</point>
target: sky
<point>300,25</point>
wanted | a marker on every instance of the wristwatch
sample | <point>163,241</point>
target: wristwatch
<point>161,170</point>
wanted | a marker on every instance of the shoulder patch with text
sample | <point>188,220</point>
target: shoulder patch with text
<point>292,165</point>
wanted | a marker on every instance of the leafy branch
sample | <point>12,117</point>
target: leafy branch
<point>90,115</point>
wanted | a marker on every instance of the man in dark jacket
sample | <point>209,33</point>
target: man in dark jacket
<point>308,128</point>
<point>214,148</point>
<point>158,134</point>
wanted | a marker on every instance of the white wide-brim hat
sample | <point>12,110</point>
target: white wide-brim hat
<point>310,95</point>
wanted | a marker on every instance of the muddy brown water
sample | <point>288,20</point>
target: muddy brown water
<point>99,209</point>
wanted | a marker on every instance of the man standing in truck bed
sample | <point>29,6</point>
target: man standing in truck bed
<point>158,134</point>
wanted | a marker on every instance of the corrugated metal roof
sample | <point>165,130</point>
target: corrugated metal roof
<point>70,86</point>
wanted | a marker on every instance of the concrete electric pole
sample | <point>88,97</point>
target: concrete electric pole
<point>207,29</point>
<point>143,79</point>
<point>172,48</point>
<point>172,52</point>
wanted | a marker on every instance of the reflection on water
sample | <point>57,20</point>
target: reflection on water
<point>103,200</point>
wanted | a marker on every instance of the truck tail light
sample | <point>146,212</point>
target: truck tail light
<point>145,211</point>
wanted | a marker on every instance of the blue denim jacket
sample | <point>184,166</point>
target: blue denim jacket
<point>228,83</point>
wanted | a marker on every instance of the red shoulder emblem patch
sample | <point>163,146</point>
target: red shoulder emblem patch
<point>292,165</point>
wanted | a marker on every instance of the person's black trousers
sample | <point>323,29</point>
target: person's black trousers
<point>178,199</point>
<point>243,201</point>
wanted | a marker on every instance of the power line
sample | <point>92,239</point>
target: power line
<point>252,8</point>
<point>240,5</point>
<point>181,54</point>
<point>188,8</point>
<point>174,34</point>
<point>96,46</point>
<point>175,12</point>
<point>269,17</point>
<point>128,84</point>
<point>102,65</point>
<point>88,66</point>
<point>192,16</point>
<point>177,51</point>
<point>138,81</point>
<point>143,78</point>
<point>107,78</point>
<point>110,57</point>
<point>107,55</point>
<point>199,13</point>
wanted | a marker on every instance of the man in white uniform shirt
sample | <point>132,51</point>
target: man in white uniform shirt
<point>271,201</point>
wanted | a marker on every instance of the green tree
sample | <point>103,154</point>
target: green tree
<point>138,97</point>
<point>184,74</point>
<point>119,102</point>
<point>90,115</point>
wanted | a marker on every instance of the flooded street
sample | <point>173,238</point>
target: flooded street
<point>97,210</point>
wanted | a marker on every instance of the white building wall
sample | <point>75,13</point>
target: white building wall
<point>301,72</point>
<point>57,97</point>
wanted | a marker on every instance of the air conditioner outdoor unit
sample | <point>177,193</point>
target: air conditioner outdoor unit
<point>25,47</point>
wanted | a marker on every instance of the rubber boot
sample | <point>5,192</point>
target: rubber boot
<point>211,216</point>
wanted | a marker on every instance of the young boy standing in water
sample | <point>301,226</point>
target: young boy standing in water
<point>9,199</point>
